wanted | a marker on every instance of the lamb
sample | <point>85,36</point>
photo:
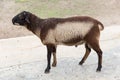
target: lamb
<point>71,31</point>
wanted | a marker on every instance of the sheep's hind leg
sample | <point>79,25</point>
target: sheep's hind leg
<point>96,47</point>
<point>88,50</point>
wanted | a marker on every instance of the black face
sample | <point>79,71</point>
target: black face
<point>21,19</point>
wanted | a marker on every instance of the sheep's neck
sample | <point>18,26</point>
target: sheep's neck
<point>35,25</point>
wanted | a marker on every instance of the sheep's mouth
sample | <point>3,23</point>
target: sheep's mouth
<point>17,24</point>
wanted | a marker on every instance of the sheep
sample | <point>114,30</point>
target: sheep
<point>71,31</point>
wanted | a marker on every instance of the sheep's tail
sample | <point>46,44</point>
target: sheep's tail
<point>101,26</point>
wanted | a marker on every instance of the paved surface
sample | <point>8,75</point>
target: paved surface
<point>24,58</point>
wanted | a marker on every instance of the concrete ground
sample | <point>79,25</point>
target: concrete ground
<point>24,58</point>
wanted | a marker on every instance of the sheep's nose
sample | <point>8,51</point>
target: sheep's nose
<point>13,20</point>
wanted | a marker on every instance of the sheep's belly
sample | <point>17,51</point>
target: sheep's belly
<point>71,43</point>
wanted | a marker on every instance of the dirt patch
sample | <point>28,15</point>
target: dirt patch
<point>7,29</point>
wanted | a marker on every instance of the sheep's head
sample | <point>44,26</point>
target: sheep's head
<point>21,19</point>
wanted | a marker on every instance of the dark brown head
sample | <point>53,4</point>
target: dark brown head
<point>21,18</point>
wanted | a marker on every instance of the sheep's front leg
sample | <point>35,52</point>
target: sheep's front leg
<point>54,60</point>
<point>49,52</point>
<point>50,49</point>
<point>54,57</point>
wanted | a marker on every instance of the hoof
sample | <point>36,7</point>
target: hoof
<point>54,65</point>
<point>80,63</point>
<point>47,71</point>
<point>98,70</point>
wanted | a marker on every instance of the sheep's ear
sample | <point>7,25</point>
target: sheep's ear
<point>24,12</point>
<point>27,19</point>
<point>27,16</point>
